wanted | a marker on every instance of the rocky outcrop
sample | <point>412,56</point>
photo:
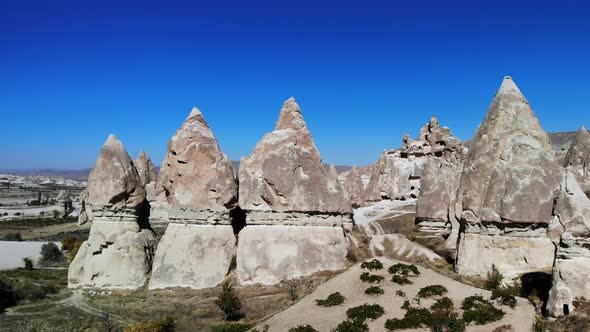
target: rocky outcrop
<point>197,189</point>
<point>118,252</point>
<point>577,159</point>
<point>64,203</point>
<point>293,209</point>
<point>353,188</point>
<point>570,230</point>
<point>435,209</point>
<point>145,168</point>
<point>505,197</point>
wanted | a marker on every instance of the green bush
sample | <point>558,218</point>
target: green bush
<point>443,304</point>
<point>432,290</point>
<point>352,326</point>
<point>406,305</point>
<point>231,327</point>
<point>7,296</point>
<point>75,250</point>
<point>303,328</point>
<point>400,293</point>
<point>50,253</point>
<point>401,280</point>
<point>372,265</point>
<point>28,264</point>
<point>365,311</point>
<point>404,269</point>
<point>494,278</point>
<point>504,296</point>
<point>446,322</point>
<point>413,319</point>
<point>229,303</point>
<point>479,311</point>
<point>371,278</point>
<point>333,299</point>
<point>374,290</point>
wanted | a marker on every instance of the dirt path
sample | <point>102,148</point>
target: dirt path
<point>348,284</point>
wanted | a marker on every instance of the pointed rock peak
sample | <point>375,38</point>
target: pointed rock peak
<point>508,87</point>
<point>290,116</point>
<point>194,127</point>
<point>582,132</point>
<point>143,156</point>
<point>332,169</point>
<point>433,122</point>
<point>195,112</point>
<point>114,144</point>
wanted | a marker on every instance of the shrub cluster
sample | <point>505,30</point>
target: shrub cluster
<point>374,290</point>
<point>404,269</point>
<point>333,299</point>
<point>373,265</point>
<point>352,326</point>
<point>494,278</point>
<point>400,293</point>
<point>441,318</point>
<point>480,311</point>
<point>365,311</point>
<point>401,280</point>
<point>413,319</point>
<point>303,328</point>
<point>50,253</point>
<point>163,325</point>
<point>229,303</point>
<point>504,296</point>
<point>432,290</point>
<point>371,278</point>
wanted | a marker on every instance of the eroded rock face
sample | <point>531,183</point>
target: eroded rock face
<point>353,187</point>
<point>270,254</point>
<point>577,159</point>
<point>507,188</point>
<point>294,209</point>
<point>118,253</point>
<point>145,168</point>
<point>285,173</point>
<point>570,231</point>
<point>196,193</point>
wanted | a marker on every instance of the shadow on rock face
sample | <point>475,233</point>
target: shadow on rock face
<point>537,284</point>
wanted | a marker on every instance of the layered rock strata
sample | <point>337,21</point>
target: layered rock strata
<point>197,190</point>
<point>508,185</point>
<point>294,213</point>
<point>570,231</point>
<point>119,250</point>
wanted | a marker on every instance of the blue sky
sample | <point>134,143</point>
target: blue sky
<point>364,72</point>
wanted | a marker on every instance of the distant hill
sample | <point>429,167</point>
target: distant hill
<point>561,143</point>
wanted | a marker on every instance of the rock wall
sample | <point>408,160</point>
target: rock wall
<point>505,198</point>
<point>295,210</point>
<point>577,159</point>
<point>196,192</point>
<point>119,250</point>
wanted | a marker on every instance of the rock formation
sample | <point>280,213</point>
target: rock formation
<point>118,252</point>
<point>435,209</point>
<point>570,231</point>
<point>294,212</point>
<point>353,187</point>
<point>197,183</point>
<point>64,203</point>
<point>578,159</point>
<point>145,168</point>
<point>507,188</point>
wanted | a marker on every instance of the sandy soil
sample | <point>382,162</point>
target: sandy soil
<point>348,284</point>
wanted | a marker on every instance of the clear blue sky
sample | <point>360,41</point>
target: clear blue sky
<point>364,72</point>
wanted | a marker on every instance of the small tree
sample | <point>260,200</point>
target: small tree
<point>50,253</point>
<point>229,303</point>
<point>28,263</point>
<point>494,278</point>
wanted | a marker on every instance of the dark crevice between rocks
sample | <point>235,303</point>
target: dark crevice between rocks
<point>238,220</point>
<point>143,216</point>
<point>536,286</point>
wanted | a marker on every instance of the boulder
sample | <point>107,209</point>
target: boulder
<point>505,197</point>
<point>570,230</point>
<point>577,159</point>
<point>294,208</point>
<point>196,194</point>
<point>145,168</point>
<point>119,250</point>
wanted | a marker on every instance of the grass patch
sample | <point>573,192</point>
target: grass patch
<point>332,300</point>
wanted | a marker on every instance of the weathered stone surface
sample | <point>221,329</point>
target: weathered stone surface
<point>285,171</point>
<point>145,168</point>
<point>64,203</point>
<point>577,159</point>
<point>353,187</point>
<point>270,254</point>
<point>507,188</point>
<point>571,233</point>
<point>195,173</point>
<point>119,249</point>
<point>194,256</point>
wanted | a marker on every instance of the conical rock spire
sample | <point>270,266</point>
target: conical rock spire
<point>145,168</point>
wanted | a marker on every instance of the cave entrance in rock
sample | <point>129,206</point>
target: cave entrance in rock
<point>566,309</point>
<point>536,287</point>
